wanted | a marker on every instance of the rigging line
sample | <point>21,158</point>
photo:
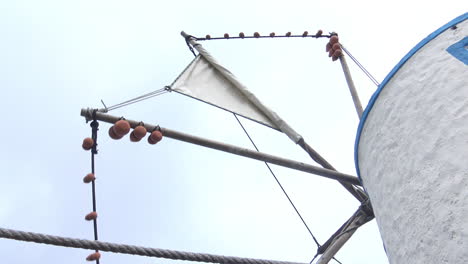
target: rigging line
<point>187,41</point>
<point>142,96</point>
<point>157,92</point>
<point>138,99</point>
<point>279,184</point>
<point>94,129</point>
<point>266,36</point>
<point>362,67</point>
<point>366,72</point>
<point>374,80</point>
<point>316,255</point>
<point>337,260</point>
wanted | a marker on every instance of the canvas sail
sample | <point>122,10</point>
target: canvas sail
<point>206,80</point>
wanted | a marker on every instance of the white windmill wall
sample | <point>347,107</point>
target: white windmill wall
<point>412,151</point>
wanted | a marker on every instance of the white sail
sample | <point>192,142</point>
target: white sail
<point>207,80</point>
<point>202,81</point>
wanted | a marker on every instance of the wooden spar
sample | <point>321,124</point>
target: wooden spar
<point>88,114</point>
<point>361,217</point>
<point>357,220</point>
<point>352,88</point>
<point>359,194</point>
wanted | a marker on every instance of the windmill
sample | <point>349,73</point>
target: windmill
<point>363,214</point>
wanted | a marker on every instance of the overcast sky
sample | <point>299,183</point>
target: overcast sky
<point>57,57</point>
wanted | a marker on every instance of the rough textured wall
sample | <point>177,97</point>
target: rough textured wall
<point>413,156</point>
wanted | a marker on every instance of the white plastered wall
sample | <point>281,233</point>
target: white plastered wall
<point>413,156</point>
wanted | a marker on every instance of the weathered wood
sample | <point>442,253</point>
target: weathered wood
<point>88,114</point>
<point>359,194</point>
<point>352,88</point>
<point>359,218</point>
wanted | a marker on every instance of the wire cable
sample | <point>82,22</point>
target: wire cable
<point>366,72</point>
<point>279,184</point>
<point>138,99</point>
<point>337,260</point>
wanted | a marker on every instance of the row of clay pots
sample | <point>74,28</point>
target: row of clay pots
<point>117,131</point>
<point>88,143</point>
<point>334,48</point>
<point>272,34</point>
<point>122,127</point>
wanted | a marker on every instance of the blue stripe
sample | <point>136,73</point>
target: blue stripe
<point>459,50</point>
<point>390,75</point>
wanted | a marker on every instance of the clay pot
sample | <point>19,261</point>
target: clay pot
<point>155,137</point>
<point>121,128</point>
<point>91,216</point>
<point>89,178</point>
<point>94,256</point>
<point>88,143</point>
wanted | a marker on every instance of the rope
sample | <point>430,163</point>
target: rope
<point>94,128</point>
<point>316,255</point>
<point>137,99</point>
<point>187,41</point>
<point>366,72</point>
<point>130,249</point>
<point>280,185</point>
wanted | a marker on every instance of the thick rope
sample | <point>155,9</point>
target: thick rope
<point>129,249</point>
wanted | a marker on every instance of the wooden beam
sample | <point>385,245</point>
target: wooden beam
<point>90,114</point>
<point>352,88</point>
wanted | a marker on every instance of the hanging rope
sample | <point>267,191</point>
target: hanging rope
<point>187,41</point>
<point>129,249</point>
<point>94,129</point>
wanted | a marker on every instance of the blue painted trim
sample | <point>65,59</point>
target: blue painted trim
<point>459,51</point>
<point>390,75</point>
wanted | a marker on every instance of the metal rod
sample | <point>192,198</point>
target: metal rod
<point>352,88</point>
<point>87,113</point>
